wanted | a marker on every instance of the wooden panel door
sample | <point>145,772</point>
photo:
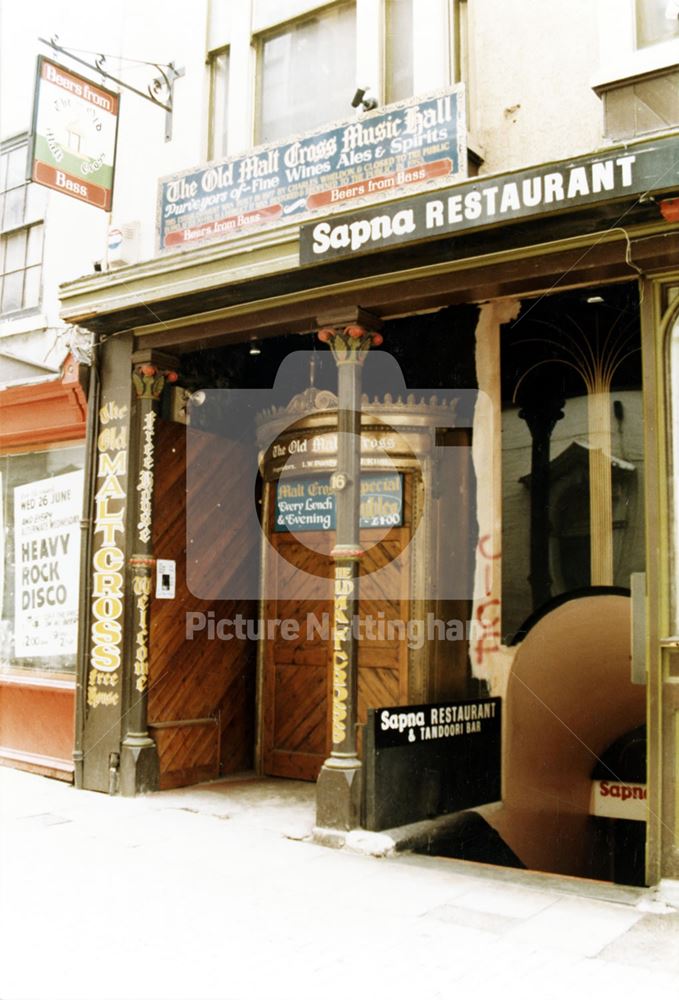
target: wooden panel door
<point>296,676</point>
<point>297,686</point>
<point>201,703</point>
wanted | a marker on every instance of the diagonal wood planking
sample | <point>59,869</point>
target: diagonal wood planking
<point>297,673</point>
<point>200,678</point>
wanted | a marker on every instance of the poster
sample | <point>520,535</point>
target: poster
<point>47,561</point>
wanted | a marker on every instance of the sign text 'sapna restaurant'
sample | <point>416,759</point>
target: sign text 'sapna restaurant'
<point>476,204</point>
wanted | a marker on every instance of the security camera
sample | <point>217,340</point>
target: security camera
<point>360,100</point>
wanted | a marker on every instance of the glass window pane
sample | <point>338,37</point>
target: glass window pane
<point>12,288</point>
<point>674,389</point>
<point>34,252</point>
<point>3,171</point>
<point>293,98</point>
<point>16,251</point>
<point>572,449</point>
<point>653,24</point>
<point>219,102</point>
<point>398,50</point>
<point>36,202</point>
<point>32,287</point>
<point>14,207</point>
<point>16,166</point>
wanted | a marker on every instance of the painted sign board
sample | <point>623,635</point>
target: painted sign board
<point>75,126</point>
<point>414,144</point>
<point>611,175</point>
<point>618,800</point>
<point>426,760</point>
<point>309,504</point>
<point>47,561</point>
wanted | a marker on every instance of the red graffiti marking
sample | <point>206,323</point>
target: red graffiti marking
<point>482,548</point>
<point>489,640</point>
<point>488,569</point>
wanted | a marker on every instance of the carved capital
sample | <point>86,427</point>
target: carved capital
<point>149,380</point>
<point>349,344</point>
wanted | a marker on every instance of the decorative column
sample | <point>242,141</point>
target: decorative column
<point>600,482</point>
<point>139,771</point>
<point>338,792</point>
<point>541,415</point>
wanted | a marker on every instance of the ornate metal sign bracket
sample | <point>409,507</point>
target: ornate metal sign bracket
<point>160,89</point>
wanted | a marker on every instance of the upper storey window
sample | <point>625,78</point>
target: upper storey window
<point>307,73</point>
<point>656,21</point>
<point>218,63</point>
<point>277,68</point>
<point>398,50</point>
<point>22,208</point>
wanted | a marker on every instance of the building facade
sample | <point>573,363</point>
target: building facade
<point>502,224</point>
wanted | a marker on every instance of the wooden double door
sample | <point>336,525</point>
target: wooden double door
<point>297,688</point>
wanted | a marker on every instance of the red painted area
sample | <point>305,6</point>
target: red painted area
<point>60,180</point>
<point>42,414</point>
<point>224,227</point>
<point>37,710</point>
<point>37,722</point>
<point>376,185</point>
<point>73,83</point>
<point>669,209</point>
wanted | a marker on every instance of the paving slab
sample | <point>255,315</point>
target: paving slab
<point>211,892</point>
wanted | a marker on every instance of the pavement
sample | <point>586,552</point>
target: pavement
<point>219,891</point>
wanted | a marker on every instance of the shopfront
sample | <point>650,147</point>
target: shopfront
<point>42,454</point>
<point>542,303</point>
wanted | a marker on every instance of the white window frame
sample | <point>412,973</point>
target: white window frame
<point>239,26</point>
<point>619,57</point>
<point>213,153</point>
<point>31,221</point>
<point>259,40</point>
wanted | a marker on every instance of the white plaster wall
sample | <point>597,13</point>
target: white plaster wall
<point>75,233</point>
<point>532,64</point>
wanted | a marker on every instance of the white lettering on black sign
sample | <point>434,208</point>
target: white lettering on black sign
<point>422,723</point>
<point>489,200</point>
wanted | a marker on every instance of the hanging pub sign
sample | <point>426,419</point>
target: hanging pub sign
<point>75,125</point>
<point>47,562</point>
<point>309,504</point>
<point>410,145</point>
<point>609,176</point>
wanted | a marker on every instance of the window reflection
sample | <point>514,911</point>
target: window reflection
<point>572,448</point>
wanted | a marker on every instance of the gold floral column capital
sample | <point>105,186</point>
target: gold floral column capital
<point>149,380</point>
<point>350,344</point>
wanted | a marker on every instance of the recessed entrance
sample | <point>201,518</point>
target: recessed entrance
<point>569,460</point>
